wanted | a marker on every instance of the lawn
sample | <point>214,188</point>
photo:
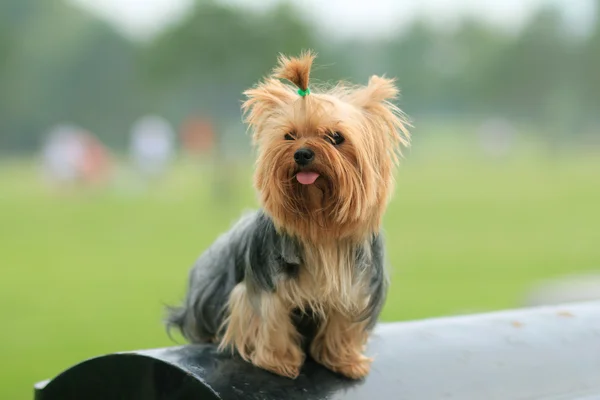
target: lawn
<point>88,273</point>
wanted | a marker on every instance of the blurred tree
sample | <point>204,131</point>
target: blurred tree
<point>412,58</point>
<point>206,61</point>
<point>536,78</point>
<point>591,70</point>
<point>58,64</point>
<point>527,74</point>
<point>61,65</point>
<point>479,48</point>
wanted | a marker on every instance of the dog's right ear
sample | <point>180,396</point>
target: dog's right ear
<point>263,102</point>
<point>269,97</point>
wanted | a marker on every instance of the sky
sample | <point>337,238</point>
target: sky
<point>141,19</point>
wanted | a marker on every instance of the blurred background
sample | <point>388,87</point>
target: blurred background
<point>123,155</point>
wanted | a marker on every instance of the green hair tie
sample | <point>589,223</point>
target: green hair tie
<point>303,92</point>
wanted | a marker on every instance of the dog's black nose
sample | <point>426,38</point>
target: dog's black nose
<point>304,156</point>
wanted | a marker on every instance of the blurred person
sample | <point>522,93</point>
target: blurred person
<point>496,137</point>
<point>152,145</point>
<point>197,137</point>
<point>72,155</point>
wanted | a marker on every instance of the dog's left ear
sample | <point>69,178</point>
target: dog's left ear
<point>378,91</point>
<point>376,99</point>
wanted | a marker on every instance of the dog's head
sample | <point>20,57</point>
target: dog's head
<point>325,157</point>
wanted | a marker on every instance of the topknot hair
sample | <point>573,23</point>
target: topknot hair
<point>295,69</point>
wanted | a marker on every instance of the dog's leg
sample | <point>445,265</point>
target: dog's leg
<point>265,335</point>
<point>339,345</point>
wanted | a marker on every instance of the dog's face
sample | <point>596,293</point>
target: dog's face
<point>325,163</point>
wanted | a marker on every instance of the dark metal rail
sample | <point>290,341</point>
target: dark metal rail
<point>545,353</point>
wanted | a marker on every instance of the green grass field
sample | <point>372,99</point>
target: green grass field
<point>87,273</point>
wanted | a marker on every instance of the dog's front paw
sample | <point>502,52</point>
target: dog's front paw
<point>285,364</point>
<point>353,366</point>
<point>354,369</point>
<point>281,369</point>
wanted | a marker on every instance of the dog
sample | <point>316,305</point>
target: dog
<point>304,274</point>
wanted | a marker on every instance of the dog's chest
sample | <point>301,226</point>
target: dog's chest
<point>327,278</point>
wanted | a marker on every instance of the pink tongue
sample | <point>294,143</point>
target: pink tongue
<point>307,178</point>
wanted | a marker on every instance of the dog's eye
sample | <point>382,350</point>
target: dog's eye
<point>335,138</point>
<point>288,136</point>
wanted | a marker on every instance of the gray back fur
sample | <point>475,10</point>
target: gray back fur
<point>254,252</point>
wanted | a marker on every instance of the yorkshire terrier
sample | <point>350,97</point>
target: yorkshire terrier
<point>305,273</point>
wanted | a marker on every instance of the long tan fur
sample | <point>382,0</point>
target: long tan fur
<point>263,336</point>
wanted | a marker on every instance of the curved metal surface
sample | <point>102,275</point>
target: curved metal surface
<point>540,353</point>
